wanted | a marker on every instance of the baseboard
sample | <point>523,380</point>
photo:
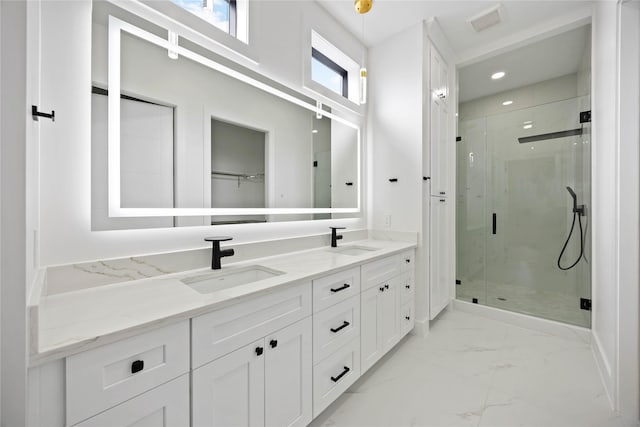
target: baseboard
<point>421,328</point>
<point>525,321</point>
<point>604,368</point>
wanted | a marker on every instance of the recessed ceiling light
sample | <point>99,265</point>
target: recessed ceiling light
<point>533,148</point>
<point>529,126</point>
<point>498,75</point>
<point>314,131</point>
<point>507,103</point>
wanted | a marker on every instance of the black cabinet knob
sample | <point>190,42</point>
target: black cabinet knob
<point>259,351</point>
<point>382,289</point>
<point>273,343</point>
<point>408,260</point>
<point>137,366</point>
<point>407,286</point>
<point>386,286</point>
<point>407,317</point>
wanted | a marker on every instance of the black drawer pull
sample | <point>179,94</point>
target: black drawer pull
<point>259,351</point>
<point>349,183</point>
<point>342,374</point>
<point>137,366</point>
<point>273,343</point>
<point>344,325</point>
<point>407,317</point>
<point>386,286</point>
<point>341,288</point>
<point>407,286</point>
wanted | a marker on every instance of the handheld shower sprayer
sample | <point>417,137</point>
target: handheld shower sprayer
<point>578,211</point>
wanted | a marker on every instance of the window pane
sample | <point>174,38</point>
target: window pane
<point>326,76</point>
<point>215,12</point>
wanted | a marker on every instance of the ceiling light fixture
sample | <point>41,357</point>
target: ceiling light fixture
<point>498,75</point>
<point>314,130</point>
<point>529,126</point>
<point>528,122</point>
<point>363,6</point>
<point>507,103</point>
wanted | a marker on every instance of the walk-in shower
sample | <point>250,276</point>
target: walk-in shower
<point>523,196</point>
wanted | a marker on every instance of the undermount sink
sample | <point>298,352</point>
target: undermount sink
<point>225,279</point>
<point>353,250</point>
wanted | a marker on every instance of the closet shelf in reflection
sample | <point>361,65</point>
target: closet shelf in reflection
<point>255,177</point>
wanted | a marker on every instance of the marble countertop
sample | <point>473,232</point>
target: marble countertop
<point>71,322</point>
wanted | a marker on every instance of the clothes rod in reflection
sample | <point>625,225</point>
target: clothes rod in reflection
<point>238,175</point>
<point>552,135</point>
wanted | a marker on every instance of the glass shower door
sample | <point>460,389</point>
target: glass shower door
<point>514,212</point>
<point>533,155</point>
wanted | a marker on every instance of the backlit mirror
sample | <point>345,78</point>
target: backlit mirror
<point>189,140</point>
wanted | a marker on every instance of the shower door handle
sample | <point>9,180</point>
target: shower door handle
<point>495,222</point>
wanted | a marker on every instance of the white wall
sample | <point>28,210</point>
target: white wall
<point>14,268</point>
<point>66,235</point>
<point>605,151</point>
<point>395,126</point>
<point>629,245</point>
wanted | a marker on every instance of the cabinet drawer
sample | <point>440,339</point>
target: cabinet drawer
<point>166,405</point>
<point>223,331</point>
<point>376,272</point>
<point>101,378</point>
<point>407,321</point>
<point>334,375</point>
<point>406,284</point>
<point>337,287</point>
<point>407,261</point>
<point>335,327</point>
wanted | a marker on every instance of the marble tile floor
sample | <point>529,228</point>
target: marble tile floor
<point>474,371</point>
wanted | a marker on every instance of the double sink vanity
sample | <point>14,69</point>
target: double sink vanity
<point>268,341</point>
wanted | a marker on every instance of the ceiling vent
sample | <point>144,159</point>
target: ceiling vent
<point>486,19</point>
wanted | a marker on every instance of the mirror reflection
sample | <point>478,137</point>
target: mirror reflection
<point>194,137</point>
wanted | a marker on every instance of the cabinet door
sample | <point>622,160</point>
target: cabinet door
<point>440,149</point>
<point>440,247</point>
<point>166,405</point>
<point>370,345</point>
<point>230,391</point>
<point>288,373</point>
<point>388,317</point>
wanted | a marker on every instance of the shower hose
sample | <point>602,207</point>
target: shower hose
<point>573,224</point>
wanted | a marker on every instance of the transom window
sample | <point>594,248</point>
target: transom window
<point>222,14</point>
<point>328,73</point>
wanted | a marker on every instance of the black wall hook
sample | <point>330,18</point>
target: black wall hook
<point>35,114</point>
<point>393,179</point>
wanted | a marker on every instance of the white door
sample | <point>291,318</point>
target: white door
<point>439,277</point>
<point>166,405</point>
<point>389,319</point>
<point>230,391</point>
<point>288,376</point>
<point>371,348</point>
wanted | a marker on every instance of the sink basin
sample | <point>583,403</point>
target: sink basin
<point>225,279</point>
<point>353,250</point>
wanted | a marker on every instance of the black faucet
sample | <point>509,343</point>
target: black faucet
<point>335,236</point>
<point>217,253</point>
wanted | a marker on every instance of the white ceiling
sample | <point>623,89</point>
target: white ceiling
<point>553,57</point>
<point>388,17</point>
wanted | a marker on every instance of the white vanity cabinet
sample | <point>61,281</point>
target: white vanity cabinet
<point>336,336</point>
<point>101,378</point>
<point>385,299</point>
<point>249,368</point>
<point>265,383</point>
<point>277,357</point>
<point>163,406</point>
